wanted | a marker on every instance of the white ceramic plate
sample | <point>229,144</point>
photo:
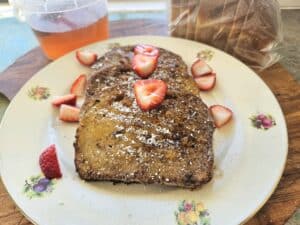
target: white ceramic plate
<point>249,160</point>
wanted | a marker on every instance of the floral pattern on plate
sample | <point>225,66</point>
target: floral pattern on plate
<point>39,93</point>
<point>206,54</point>
<point>192,213</point>
<point>38,186</point>
<point>262,121</point>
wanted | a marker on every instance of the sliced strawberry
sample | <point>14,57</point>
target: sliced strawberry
<point>144,65</point>
<point>149,94</point>
<point>80,102</point>
<point>146,50</point>
<point>86,57</point>
<point>78,86</point>
<point>220,114</point>
<point>49,163</point>
<point>69,99</point>
<point>69,113</point>
<point>200,68</point>
<point>206,82</point>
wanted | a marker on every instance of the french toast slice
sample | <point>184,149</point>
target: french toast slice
<point>116,141</point>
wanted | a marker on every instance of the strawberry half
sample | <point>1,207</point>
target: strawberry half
<point>206,82</point>
<point>149,94</point>
<point>220,114</point>
<point>146,50</point>
<point>49,163</point>
<point>144,65</point>
<point>86,57</point>
<point>69,99</point>
<point>200,68</point>
<point>78,86</point>
<point>69,113</point>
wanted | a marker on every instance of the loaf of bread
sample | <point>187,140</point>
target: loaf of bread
<point>247,29</point>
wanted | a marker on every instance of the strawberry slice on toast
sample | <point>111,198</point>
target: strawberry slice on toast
<point>150,93</point>
<point>144,65</point>
<point>146,50</point>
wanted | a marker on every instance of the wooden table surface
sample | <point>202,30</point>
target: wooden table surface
<point>285,199</point>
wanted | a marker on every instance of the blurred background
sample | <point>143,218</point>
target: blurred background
<point>16,38</point>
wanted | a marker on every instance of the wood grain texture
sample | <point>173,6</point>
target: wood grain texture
<point>286,198</point>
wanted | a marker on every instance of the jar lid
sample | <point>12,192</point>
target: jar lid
<point>49,6</point>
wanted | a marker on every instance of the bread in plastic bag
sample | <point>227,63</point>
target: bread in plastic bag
<point>248,29</point>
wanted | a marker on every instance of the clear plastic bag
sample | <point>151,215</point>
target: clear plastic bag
<point>247,29</point>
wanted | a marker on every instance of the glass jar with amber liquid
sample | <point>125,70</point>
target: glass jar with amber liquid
<point>64,25</point>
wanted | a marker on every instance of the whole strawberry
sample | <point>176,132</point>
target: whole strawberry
<point>49,163</point>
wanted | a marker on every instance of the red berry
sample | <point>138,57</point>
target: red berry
<point>206,82</point>
<point>49,163</point>
<point>221,115</point>
<point>69,113</point>
<point>200,68</point>
<point>149,94</point>
<point>78,86</point>
<point>144,65</point>
<point>69,99</point>
<point>86,57</point>
<point>146,50</point>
